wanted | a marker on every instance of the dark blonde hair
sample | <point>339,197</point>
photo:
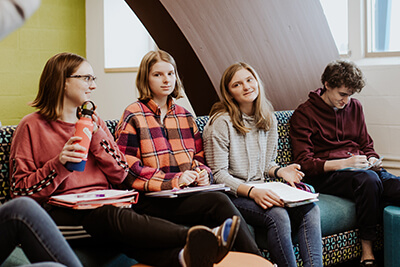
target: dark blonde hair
<point>262,107</point>
<point>342,72</point>
<point>49,99</point>
<point>142,78</point>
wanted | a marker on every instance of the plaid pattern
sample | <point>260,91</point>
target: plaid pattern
<point>157,154</point>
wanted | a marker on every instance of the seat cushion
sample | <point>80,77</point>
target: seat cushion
<point>337,214</point>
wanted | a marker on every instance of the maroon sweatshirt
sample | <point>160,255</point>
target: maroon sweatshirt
<point>319,132</point>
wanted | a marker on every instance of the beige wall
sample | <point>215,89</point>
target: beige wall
<point>380,97</point>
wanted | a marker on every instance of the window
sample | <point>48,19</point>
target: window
<point>383,22</point>
<point>126,40</point>
<point>364,28</point>
<point>336,13</point>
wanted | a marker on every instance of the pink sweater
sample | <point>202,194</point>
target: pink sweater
<point>37,172</point>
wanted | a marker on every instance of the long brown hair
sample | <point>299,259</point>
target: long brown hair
<point>262,107</point>
<point>142,77</point>
<point>49,99</point>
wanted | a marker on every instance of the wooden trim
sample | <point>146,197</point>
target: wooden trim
<point>114,70</point>
<point>382,54</point>
<point>391,162</point>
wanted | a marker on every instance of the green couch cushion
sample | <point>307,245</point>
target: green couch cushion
<point>337,214</point>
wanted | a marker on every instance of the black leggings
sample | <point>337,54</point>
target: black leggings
<point>144,238</point>
<point>207,208</point>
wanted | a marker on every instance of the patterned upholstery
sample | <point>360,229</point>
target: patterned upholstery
<point>112,125</point>
<point>6,133</point>
<point>338,247</point>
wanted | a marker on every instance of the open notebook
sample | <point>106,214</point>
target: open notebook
<point>187,190</point>
<point>95,199</point>
<point>290,195</point>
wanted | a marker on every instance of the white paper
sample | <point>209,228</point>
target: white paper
<point>286,192</point>
<point>94,196</point>
<point>188,190</point>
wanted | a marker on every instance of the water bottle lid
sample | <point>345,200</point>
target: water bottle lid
<point>87,108</point>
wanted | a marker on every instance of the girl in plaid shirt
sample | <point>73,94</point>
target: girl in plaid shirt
<point>164,150</point>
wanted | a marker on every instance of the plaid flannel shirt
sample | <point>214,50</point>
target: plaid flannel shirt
<point>157,153</point>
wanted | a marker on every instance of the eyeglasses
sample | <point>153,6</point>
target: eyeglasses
<point>87,78</point>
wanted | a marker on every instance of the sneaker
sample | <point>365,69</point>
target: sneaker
<point>226,235</point>
<point>368,263</point>
<point>201,247</point>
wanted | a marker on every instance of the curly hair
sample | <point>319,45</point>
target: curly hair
<point>342,72</point>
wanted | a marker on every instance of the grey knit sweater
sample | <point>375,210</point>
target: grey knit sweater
<point>235,158</point>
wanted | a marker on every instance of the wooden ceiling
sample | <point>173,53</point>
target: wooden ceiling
<point>288,42</point>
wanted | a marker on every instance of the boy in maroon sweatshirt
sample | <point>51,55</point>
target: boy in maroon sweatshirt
<point>331,142</point>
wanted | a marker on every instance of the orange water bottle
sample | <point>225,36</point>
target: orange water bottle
<point>84,129</point>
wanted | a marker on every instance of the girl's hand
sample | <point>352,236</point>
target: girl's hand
<point>291,174</point>
<point>203,178</point>
<point>187,177</point>
<point>357,161</point>
<point>70,153</point>
<point>265,198</point>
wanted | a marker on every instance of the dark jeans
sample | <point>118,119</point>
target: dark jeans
<point>369,190</point>
<point>207,208</point>
<point>24,222</point>
<point>281,224</point>
<point>144,238</point>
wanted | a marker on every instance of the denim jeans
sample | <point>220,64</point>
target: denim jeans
<point>23,222</point>
<point>281,225</point>
<point>370,191</point>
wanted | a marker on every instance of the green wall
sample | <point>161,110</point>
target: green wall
<point>57,26</point>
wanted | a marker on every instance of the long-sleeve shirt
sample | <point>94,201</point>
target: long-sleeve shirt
<point>235,158</point>
<point>158,151</point>
<point>320,132</point>
<point>37,172</point>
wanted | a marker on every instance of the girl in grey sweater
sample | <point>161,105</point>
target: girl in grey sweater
<point>240,144</point>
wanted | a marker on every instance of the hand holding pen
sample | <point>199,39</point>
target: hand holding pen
<point>203,178</point>
<point>356,161</point>
<point>193,178</point>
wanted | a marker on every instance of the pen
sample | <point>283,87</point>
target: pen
<point>349,153</point>
<point>201,172</point>
<point>91,195</point>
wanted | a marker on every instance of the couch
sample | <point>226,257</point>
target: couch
<point>339,235</point>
